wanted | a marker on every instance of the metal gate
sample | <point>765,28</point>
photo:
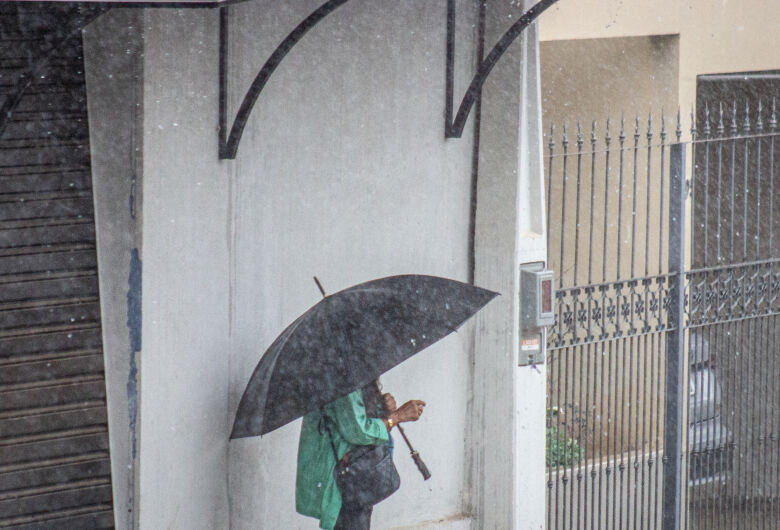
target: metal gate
<point>662,360</point>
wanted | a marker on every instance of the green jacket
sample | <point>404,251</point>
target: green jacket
<point>316,494</point>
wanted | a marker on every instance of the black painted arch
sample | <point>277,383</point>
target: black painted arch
<point>453,128</point>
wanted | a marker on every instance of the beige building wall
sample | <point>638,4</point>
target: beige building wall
<point>716,36</point>
<point>591,80</point>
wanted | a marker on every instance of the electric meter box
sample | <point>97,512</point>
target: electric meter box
<point>537,293</point>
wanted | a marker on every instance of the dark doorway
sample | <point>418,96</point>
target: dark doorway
<point>735,194</point>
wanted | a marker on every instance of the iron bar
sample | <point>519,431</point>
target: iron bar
<point>601,428</point>
<point>694,185</point>
<point>675,343</point>
<point>592,201</point>
<point>551,147</point>
<point>612,431</point>
<point>741,408</point>
<point>727,386</point>
<point>641,446</point>
<point>738,398</point>
<point>708,503</point>
<point>607,140</point>
<point>696,469</point>
<point>706,183</point>
<point>648,194</point>
<point>774,458</point>
<point>732,401</point>
<point>661,189</point>
<point>580,385</point>
<point>762,432</point>
<point>745,186</point>
<point>750,449</point>
<point>562,264</point>
<point>733,162</point>
<point>772,130</point>
<point>633,197</point>
<point>584,441</point>
<point>577,208</point>
<point>631,407</point>
<point>565,479</point>
<point>593,349</point>
<point>557,433</point>
<point>720,179</point>
<point>658,378</point>
<point>759,128</point>
<point>621,465</point>
<point>621,139</point>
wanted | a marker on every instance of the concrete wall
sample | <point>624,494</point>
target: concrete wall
<point>508,400</point>
<point>343,172</point>
<point>112,47</point>
<point>184,369</point>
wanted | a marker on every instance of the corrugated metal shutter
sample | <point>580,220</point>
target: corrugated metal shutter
<point>54,457</point>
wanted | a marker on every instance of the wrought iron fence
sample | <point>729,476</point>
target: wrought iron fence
<point>621,218</point>
<point>733,293</point>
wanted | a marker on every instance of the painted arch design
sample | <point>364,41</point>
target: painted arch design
<point>453,127</point>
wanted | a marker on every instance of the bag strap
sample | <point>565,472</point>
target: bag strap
<point>326,419</point>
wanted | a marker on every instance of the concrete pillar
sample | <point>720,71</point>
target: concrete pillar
<point>112,52</point>
<point>509,401</point>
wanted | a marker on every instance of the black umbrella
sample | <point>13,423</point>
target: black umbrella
<point>349,339</point>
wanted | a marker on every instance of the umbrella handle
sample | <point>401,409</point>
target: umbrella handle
<point>415,456</point>
<point>421,465</point>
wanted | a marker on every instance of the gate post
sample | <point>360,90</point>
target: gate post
<point>675,343</point>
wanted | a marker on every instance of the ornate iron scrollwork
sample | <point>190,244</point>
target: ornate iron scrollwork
<point>610,311</point>
<point>733,292</point>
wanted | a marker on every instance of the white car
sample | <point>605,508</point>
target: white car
<point>710,442</point>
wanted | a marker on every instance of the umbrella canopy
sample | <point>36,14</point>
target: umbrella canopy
<point>349,339</point>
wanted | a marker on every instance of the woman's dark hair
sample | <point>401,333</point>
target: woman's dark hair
<point>372,399</point>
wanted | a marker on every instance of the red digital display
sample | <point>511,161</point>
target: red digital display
<point>547,296</point>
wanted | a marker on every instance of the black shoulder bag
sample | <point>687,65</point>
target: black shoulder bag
<point>366,475</point>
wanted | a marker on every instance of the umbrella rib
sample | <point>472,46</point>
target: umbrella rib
<point>282,342</point>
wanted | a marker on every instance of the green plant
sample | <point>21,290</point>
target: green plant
<point>561,449</point>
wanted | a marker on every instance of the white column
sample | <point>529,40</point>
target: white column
<point>508,470</point>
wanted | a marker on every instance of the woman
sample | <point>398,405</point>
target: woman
<point>364,417</point>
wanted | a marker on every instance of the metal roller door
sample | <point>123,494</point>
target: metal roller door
<point>54,456</point>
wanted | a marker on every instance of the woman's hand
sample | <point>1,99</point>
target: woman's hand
<point>390,404</point>
<point>409,411</point>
